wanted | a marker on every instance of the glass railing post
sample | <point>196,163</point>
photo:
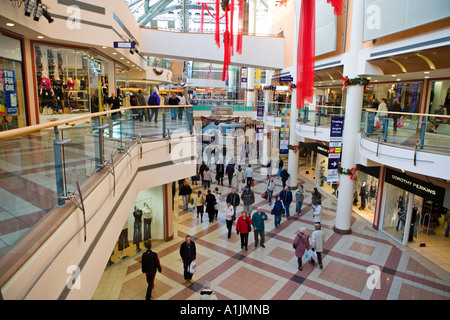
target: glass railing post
<point>59,174</point>
<point>164,117</point>
<point>318,117</point>
<point>99,154</point>
<point>305,114</point>
<point>190,119</point>
<point>424,129</point>
<point>385,128</point>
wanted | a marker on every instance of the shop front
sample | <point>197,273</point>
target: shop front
<point>70,81</point>
<point>146,221</point>
<point>13,112</point>
<point>413,210</point>
<point>365,192</point>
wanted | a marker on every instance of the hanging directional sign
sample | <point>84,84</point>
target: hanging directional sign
<point>124,44</point>
<point>334,151</point>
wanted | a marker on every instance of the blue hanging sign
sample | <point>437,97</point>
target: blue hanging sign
<point>9,80</point>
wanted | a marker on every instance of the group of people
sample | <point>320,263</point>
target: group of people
<point>383,108</point>
<point>244,224</point>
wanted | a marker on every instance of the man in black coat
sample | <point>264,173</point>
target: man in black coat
<point>234,199</point>
<point>150,263</point>
<point>188,254</point>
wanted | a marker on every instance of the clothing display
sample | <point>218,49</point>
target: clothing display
<point>137,235</point>
<point>123,238</point>
<point>148,216</point>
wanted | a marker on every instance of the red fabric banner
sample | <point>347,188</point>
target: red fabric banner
<point>202,19</point>
<point>217,35</point>
<point>306,53</point>
<point>337,5</point>
<point>240,27</point>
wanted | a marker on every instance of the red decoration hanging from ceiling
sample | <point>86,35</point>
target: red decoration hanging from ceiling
<point>228,36</point>
<point>306,52</point>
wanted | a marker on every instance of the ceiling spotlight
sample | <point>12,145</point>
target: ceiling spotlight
<point>47,15</point>
<point>38,11</point>
<point>10,24</point>
<point>29,7</point>
<point>131,51</point>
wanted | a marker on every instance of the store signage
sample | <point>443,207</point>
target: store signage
<point>244,74</point>
<point>259,120</point>
<point>416,186</point>
<point>286,79</point>
<point>334,151</point>
<point>284,134</point>
<point>124,45</point>
<point>9,91</point>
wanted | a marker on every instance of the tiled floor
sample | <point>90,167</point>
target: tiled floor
<point>351,262</point>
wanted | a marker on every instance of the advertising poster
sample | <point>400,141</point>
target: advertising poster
<point>9,80</point>
<point>284,134</point>
<point>2,94</point>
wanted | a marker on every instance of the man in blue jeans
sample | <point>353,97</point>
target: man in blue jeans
<point>154,100</point>
<point>258,220</point>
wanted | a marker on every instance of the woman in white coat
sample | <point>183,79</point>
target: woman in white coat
<point>317,241</point>
<point>317,212</point>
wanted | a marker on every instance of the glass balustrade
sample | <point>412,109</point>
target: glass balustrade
<point>422,131</point>
<point>40,166</point>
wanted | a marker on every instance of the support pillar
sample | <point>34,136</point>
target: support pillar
<point>352,122</point>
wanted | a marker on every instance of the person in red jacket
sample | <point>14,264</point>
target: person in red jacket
<point>243,227</point>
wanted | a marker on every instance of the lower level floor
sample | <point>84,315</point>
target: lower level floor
<point>365,265</point>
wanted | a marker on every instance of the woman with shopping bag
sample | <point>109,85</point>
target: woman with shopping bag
<point>301,244</point>
<point>317,241</point>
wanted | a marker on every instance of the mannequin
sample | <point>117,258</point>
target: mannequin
<point>123,240</point>
<point>46,92</point>
<point>148,216</point>
<point>355,198</point>
<point>82,84</point>
<point>77,84</point>
<point>70,84</point>
<point>137,235</point>
<point>58,90</point>
<point>415,218</point>
<point>362,194</point>
<point>372,194</point>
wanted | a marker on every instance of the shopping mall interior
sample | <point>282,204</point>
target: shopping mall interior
<point>117,117</point>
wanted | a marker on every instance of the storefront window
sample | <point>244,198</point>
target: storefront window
<point>407,93</point>
<point>330,96</point>
<point>395,211</point>
<point>365,195</point>
<point>439,102</point>
<point>69,81</point>
<point>12,95</point>
<point>146,221</point>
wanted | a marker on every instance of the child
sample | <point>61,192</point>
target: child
<point>199,203</point>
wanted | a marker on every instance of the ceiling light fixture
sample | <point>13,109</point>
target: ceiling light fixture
<point>10,24</point>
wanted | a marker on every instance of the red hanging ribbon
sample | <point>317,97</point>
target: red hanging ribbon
<point>227,47</point>
<point>240,27</point>
<point>306,53</point>
<point>337,5</point>
<point>217,35</point>
<point>231,28</point>
<point>202,19</point>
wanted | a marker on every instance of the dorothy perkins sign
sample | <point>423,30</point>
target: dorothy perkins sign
<point>424,189</point>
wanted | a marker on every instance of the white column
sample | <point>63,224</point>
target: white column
<point>251,87</point>
<point>268,97</point>
<point>352,121</point>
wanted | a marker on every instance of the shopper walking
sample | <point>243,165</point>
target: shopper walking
<point>258,221</point>
<point>234,199</point>
<point>317,212</point>
<point>284,177</point>
<point>396,107</point>
<point>315,195</point>
<point>286,197</point>
<point>229,212</point>
<point>188,254</point>
<point>185,192</point>
<point>249,175</point>
<point>201,170</point>
<point>278,210</point>
<point>210,205</point>
<point>299,197</point>
<point>230,172</point>
<point>150,264</point>
<point>240,179</point>
<point>199,203</point>
<point>220,172</point>
<point>173,100</point>
<point>301,244</point>
<point>154,100</point>
<point>207,177</point>
<point>270,189</point>
<point>219,201</point>
<point>182,102</point>
<point>243,227</point>
<point>280,167</point>
<point>317,241</point>
<point>248,199</point>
